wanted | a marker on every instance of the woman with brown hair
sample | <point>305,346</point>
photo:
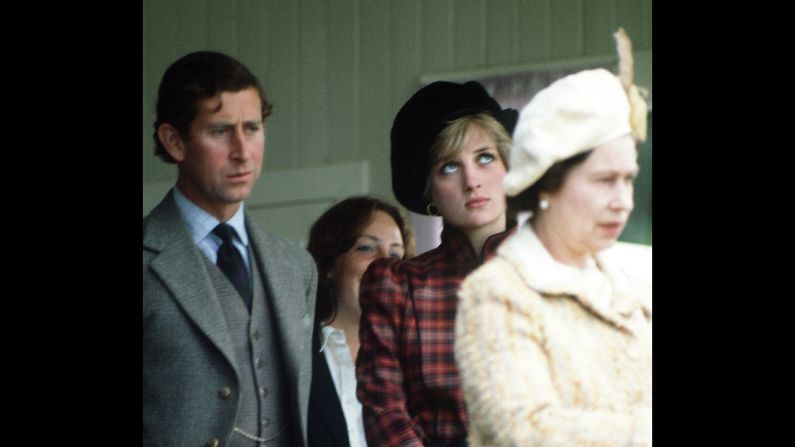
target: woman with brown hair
<point>344,241</point>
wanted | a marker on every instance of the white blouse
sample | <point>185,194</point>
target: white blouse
<point>343,374</point>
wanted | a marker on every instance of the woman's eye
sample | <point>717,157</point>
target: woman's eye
<point>396,255</point>
<point>365,248</point>
<point>486,158</point>
<point>448,168</point>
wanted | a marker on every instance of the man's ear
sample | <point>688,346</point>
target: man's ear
<point>172,141</point>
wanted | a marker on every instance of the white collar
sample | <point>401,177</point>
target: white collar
<point>329,332</point>
<point>622,278</point>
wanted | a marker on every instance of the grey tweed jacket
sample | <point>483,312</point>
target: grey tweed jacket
<point>189,364</point>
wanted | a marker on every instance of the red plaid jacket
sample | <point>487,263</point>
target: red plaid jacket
<point>408,382</point>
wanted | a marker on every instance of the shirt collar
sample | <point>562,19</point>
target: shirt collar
<point>329,332</point>
<point>201,223</point>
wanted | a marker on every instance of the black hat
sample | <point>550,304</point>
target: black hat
<point>418,123</point>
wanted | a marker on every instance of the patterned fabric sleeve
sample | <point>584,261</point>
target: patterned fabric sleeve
<point>505,371</point>
<point>379,372</point>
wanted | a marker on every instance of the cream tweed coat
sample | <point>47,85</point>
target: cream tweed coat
<point>551,355</point>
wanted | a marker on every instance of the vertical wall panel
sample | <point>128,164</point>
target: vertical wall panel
<point>283,126</point>
<point>533,31</point>
<point>566,27</point>
<point>599,24</point>
<point>344,115</point>
<point>645,26</point>
<point>374,95</point>
<point>252,39</point>
<point>630,15</point>
<point>501,20</point>
<point>189,24</point>
<point>221,19</point>
<point>405,49</point>
<point>469,30</point>
<point>437,36</point>
<point>313,83</point>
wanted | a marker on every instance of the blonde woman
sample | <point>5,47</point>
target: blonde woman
<point>449,143</point>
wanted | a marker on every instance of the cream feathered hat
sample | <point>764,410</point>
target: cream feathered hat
<point>575,114</point>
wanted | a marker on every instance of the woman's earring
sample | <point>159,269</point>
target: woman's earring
<point>431,210</point>
<point>543,204</point>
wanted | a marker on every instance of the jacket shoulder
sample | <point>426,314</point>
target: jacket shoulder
<point>276,244</point>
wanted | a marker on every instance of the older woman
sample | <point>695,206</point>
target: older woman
<point>554,334</point>
<point>344,241</point>
<point>449,143</point>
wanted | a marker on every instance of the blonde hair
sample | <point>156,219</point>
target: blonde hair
<point>450,141</point>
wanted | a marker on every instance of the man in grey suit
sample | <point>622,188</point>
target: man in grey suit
<point>227,306</point>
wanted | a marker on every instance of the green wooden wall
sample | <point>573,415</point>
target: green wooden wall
<point>338,70</point>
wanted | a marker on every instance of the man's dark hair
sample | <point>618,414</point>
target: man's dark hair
<point>196,76</point>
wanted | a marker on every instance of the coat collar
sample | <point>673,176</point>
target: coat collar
<point>622,276</point>
<point>455,241</point>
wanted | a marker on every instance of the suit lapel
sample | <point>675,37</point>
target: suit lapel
<point>278,278</point>
<point>180,267</point>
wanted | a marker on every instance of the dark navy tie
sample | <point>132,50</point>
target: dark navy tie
<point>231,263</point>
